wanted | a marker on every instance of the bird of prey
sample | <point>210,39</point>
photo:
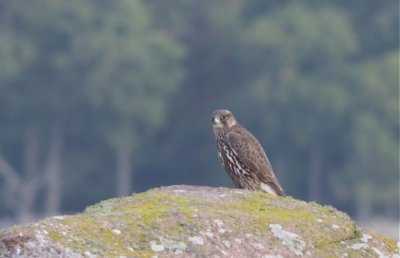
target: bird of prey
<point>242,155</point>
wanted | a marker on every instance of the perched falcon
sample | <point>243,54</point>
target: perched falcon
<point>242,155</point>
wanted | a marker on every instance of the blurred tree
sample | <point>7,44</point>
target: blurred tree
<point>371,179</point>
<point>133,70</point>
<point>35,105</point>
<point>62,55</point>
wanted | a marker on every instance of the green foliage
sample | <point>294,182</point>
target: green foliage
<point>133,69</point>
<point>375,133</point>
<point>100,68</point>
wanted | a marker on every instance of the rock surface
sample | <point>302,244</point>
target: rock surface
<point>189,221</point>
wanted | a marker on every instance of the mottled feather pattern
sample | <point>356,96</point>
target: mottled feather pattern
<point>236,169</point>
<point>242,155</point>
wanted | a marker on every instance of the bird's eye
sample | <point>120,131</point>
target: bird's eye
<point>222,117</point>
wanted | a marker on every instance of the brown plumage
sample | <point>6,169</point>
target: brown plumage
<point>242,155</point>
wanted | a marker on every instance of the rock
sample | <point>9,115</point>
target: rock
<point>189,221</point>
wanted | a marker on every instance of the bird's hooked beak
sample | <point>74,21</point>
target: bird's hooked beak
<point>215,120</point>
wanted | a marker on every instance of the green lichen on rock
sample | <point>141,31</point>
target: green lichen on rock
<point>188,221</point>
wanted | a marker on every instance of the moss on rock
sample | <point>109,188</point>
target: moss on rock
<point>190,221</point>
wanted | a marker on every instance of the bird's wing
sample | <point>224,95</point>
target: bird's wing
<point>251,154</point>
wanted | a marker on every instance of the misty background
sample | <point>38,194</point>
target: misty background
<point>100,99</point>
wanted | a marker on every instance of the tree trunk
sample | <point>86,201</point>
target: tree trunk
<point>10,192</point>
<point>315,172</point>
<point>53,169</point>
<point>31,179</point>
<point>124,169</point>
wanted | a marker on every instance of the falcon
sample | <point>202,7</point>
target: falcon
<point>242,155</point>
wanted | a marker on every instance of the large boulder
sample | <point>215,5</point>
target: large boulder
<point>189,221</point>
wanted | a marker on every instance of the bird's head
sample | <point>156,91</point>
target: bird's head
<point>223,119</point>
